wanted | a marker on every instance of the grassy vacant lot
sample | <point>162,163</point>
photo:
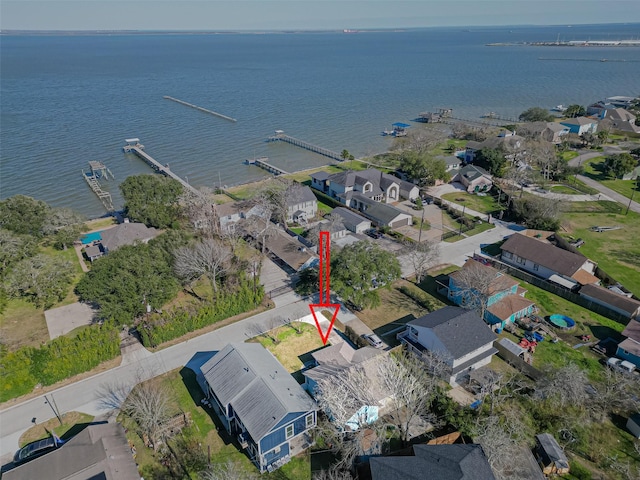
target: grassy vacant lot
<point>292,346</point>
<point>72,424</point>
<point>569,154</point>
<point>594,169</point>
<point>185,395</point>
<point>617,252</point>
<point>395,310</point>
<point>22,324</point>
<point>485,204</point>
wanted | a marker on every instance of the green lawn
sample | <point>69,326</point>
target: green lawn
<point>483,227</point>
<point>485,204</point>
<point>323,208</point>
<point>617,252</point>
<point>565,189</point>
<point>569,154</point>
<point>594,169</point>
<point>297,230</point>
<point>72,424</point>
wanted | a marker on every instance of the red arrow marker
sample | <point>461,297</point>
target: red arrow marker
<point>325,289</point>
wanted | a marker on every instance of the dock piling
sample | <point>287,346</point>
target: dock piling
<point>205,110</point>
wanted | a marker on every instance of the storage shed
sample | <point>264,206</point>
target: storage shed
<point>633,425</point>
<point>550,456</point>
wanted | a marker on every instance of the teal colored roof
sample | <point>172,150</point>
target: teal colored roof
<point>401,125</point>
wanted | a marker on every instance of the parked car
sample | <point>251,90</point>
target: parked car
<point>373,340</point>
<point>373,233</point>
<point>621,365</point>
<point>34,450</point>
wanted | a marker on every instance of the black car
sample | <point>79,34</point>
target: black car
<point>373,233</point>
<point>34,450</point>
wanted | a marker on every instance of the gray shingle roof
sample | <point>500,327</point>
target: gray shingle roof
<point>381,213</point>
<point>301,195</point>
<point>256,385</point>
<point>549,256</point>
<point>127,234</point>
<point>461,331</point>
<point>442,462</point>
<point>349,217</point>
<point>629,305</point>
<point>550,451</point>
<point>471,172</point>
<point>99,451</point>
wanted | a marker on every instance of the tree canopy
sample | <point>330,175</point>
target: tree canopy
<point>538,212</point>
<point>423,168</point>
<point>23,215</point>
<point>152,199</point>
<point>620,164</point>
<point>41,279</point>
<point>574,111</point>
<point>358,268</point>
<point>123,282</point>
<point>536,114</point>
<point>492,160</point>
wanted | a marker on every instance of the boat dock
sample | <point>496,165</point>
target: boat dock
<point>202,109</point>
<point>134,146</point>
<point>282,137</point>
<point>263,162</point>
<point>99,170</point>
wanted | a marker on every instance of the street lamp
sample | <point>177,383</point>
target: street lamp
<point>633,191</point>
<point>421,222</point>
<point>464,205</point>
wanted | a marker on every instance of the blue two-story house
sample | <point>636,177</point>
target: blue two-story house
<point>260,403</point>
<point>503,297</point>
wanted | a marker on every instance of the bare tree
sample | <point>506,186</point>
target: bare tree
<point>332,474</point>
<point>148,405</point>
<point>210,257</point>
<point>227,471</point>
<point>412,381</point>
<point>258,221</point>
<point>422,256</point>
<point>500,442</point>
<point>565,386</point>
<point>201,212</point>
<point>474,284</point>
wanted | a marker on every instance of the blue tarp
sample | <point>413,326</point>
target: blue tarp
<point>401,125</point>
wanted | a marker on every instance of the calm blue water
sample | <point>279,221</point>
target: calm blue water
<point>70,99</point>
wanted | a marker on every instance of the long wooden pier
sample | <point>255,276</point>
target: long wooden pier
<point>137,149</point>
<point>202,109</point>
<point>282,137</point>
<point>263,163</point>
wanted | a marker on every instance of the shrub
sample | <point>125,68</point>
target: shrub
<point>418,296</point>
<point>164,327</point>
<point>61,358</point>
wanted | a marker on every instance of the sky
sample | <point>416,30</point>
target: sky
<point>305,14</point>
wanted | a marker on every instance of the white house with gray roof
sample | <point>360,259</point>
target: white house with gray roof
<point>457,335</point>
<point>301,205</point>
<point>258,401</point>
<point>371,183</point>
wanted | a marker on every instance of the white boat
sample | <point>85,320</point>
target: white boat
<point>559,108</point>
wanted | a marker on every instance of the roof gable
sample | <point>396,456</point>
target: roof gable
<point>554,258</point>
<point>461,331</point>
<point>250,379</point>
<point>300,195</point>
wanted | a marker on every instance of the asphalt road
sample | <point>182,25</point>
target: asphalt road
<point>85,395</point>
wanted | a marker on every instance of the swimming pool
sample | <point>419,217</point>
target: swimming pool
<point>91,237</point>
<point>562,321</point>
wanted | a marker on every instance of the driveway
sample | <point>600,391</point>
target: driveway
<point>62,320</point>
<point>432,214</point>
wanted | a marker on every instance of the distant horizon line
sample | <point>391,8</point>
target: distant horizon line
<point>288,30</point>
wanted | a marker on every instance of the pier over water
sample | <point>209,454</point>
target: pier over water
<point>282,137</point>
<point>134,146</point>
<point>205,110</point>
